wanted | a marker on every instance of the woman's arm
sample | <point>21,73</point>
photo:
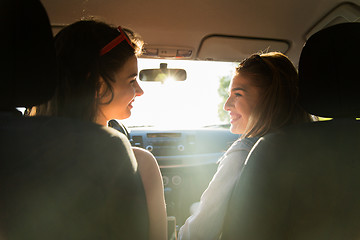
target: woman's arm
<point>207,221</point>
<point>154,190</point>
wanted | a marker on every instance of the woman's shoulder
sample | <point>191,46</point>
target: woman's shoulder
<point>144,157</point>
<point>243,144</point>
<point>239,149</point>
<point>142,152</point>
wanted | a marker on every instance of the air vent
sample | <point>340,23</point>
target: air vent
<point>137,141</point>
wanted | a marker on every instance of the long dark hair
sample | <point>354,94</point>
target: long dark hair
<point>278,105</point>
<point>81,66</point>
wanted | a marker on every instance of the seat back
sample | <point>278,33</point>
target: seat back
<point>60,178</point>
<point>302,182</point>
<point>28,65</point>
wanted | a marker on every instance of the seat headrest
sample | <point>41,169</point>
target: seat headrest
<point>28,66</point>
<point>329,72</point>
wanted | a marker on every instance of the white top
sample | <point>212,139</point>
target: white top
<point>206,223</point>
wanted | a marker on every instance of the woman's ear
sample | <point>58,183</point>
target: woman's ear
<point>103,94</point>
<point>100,89</point>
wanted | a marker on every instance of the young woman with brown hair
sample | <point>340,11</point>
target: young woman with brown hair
<point>263,97</point>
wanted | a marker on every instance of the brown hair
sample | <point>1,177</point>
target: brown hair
<point>81,67</point>
<point>278,105</point>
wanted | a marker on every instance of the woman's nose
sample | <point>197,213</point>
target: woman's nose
<point>138,89</point>
<point>227,104</point>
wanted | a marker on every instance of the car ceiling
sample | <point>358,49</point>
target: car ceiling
<point>184,23</point>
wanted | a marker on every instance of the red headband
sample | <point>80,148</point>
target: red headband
<point>115,42</point>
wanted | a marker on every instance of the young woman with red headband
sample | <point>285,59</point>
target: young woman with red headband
<point>98,70</point>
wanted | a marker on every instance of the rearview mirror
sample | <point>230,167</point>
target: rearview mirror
<point>162,74</point>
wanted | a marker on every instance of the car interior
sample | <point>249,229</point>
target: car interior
<point>195,47</point>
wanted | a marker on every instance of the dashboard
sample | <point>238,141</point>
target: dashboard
<point>187,159</point>
<point>183,148</point>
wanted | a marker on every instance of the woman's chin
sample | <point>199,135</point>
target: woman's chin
<point>235,130</point>
<point>123,115</point>
<point>127,114</point>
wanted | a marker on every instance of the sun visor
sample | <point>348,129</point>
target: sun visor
<point>342,13</point>
<point>236,48</point>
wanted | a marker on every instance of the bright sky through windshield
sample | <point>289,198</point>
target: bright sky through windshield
<point>187,104</point>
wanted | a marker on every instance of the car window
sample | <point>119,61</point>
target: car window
<point>192,103</point>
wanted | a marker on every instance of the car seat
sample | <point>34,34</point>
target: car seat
<point>60,178</point>
<point>303,182</point>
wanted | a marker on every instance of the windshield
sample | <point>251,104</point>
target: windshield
<point>195,102</point>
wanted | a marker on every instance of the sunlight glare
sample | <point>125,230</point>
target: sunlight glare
<point>170,79</point>
<point>184,104</point>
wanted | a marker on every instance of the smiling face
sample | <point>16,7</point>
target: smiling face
<point>242,100</point>
<point>125,89</point>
